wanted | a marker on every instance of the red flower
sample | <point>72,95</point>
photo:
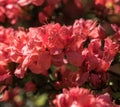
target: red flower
<point>102,2</point>
<point>65,35</point>
<point>53,2</point>
<point>5,97</point>
<point>42,17</point>
<point>40,62</point>
<point>38,2</point>
<point>75,58</point>
<point>13,95</point>
<point>80,97</point>
<point>98,32</point>
<point>97,80</point>
<point>75,97</point>
<point>5,76</point>
<point>58,59</point>
<point>94,54</point>
<point>68,78</point>
<point>116,36</point>
<point>13,12</point>
<point>22,68</point>
<point>2,14</point>
<point>30,86</point>
<point>110,50</point>
<point>100,59</point>
<point>24,2</point>
<point>104,101</point>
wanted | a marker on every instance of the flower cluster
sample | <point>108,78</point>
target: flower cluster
<point>80,97</point>
<point>53,44</point>
<point>60,53</point>
<point>84,45</point>
<point>14,11</point>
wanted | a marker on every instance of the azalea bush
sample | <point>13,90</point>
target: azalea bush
<point>59,53</point>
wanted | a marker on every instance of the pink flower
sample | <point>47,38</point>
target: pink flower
<point>83,27</point>
<point>27,2</point>
<point>104,101</point>
<point>6,35</point>
<point>98,32</point>
<point>18,46</point>
<point>110,50</point>
<point>81,97</point>
<point>40,62</point>
<point>24,2</point>
<point>22,68</point>
<point>102,2</point>
<point>51,37</point>
<point>38,2</point>
<point>80,31</point>
<point>47,35</point>
<point>5,97</point>
<point>65,35</point>
<point>94,54</point>
<point>75,97</point>
<point>116,35</point>
<point>13,12</point>
<point>101,58</point>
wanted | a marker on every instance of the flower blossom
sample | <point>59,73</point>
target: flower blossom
<point>83,45</point>
<point>5,76</point>
<point>29,86</point>
<point>101,58</point>
<point>68,78</point>
<point>81,97</point>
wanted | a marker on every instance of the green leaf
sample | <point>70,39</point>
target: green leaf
<point>41,100</point>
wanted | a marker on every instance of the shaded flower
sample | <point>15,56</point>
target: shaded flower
<point>97,80</point>
<point>68,78</point>
<point>5,76</point>
<point>30,86</point>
